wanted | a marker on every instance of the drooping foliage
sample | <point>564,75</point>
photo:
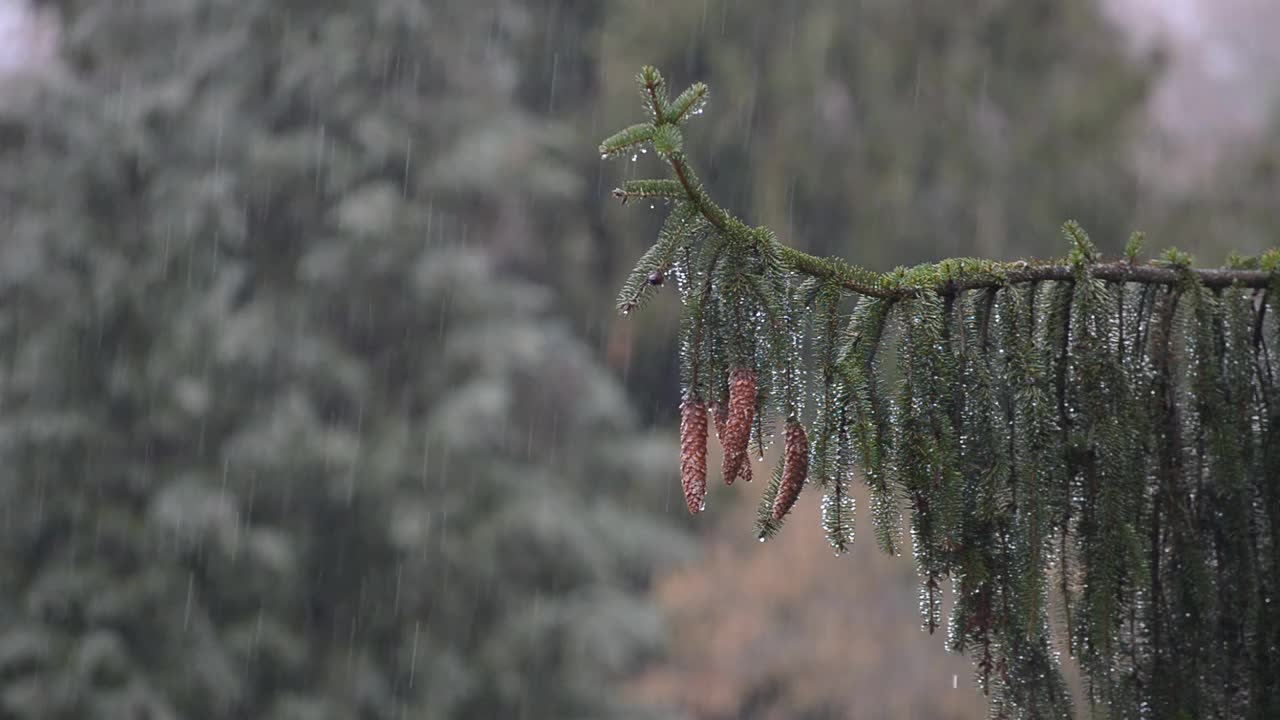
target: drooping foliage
<point>1076,443</point>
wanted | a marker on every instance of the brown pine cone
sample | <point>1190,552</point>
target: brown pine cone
<point>795,468</point>
<point>721,415</point>
<point>693,454</point>
<point>737,425</point>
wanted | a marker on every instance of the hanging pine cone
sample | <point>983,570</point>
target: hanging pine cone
<point>737,424</point>
<point>693,453</point>
<point>721,416</point>
<point>795,468</point>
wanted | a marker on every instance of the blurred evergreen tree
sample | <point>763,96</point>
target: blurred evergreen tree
<point>282,436</point>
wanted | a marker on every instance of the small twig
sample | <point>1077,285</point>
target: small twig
<point>658,111</point>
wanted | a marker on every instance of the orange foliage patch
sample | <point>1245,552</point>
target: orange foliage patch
<point>786,630</point>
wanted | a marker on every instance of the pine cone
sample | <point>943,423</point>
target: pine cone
<point>693,453</point>
<point>721,415</point>
<point>795,468</point>
<point>737,425</point>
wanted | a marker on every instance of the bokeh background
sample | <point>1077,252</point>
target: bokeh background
<point>313,401</point>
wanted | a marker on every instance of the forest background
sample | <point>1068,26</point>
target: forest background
<point>313,400</point>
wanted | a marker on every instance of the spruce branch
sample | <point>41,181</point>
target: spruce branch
<point>1111,425</point>
<point>940,277</point>
<point>654,90</point>
<point>648,189</point>
<point>627,139</point>
<point>689,102</point>
<point>681,227</point>
<point>934,277</point>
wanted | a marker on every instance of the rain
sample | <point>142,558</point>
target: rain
<point>337,380</point>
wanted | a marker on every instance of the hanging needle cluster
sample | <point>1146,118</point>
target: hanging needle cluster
<point>1086,451</point>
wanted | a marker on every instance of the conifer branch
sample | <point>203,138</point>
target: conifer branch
<point>1114,422</point>
<point>993,274</point>
<point>939,277</point>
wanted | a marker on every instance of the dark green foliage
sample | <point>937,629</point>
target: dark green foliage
<point>1098,437</point>
<point>629,139</point>
<point>682,226</point>
<point>832,450</point>
<point>766,526</point>
<point>1134,246</point>
<point>690,102</point>
<point>867,411</point>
